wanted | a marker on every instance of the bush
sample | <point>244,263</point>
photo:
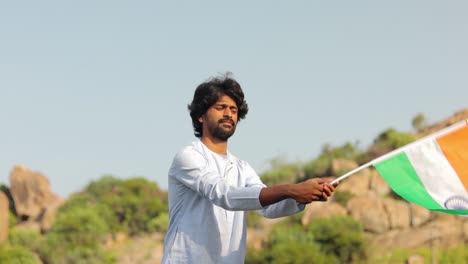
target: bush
<point>12,221</point>
<point>454,255</point>
<point>458,254</point>
<point>132,205</point>
<point>340,236</point>
<point>254,219</point>
<point>86,200</point>
<point>75,237</point>
<point>298,253</point>
<point>289,243</point>
<point>159,224</point>
<point>134,202</point>
<point>17,255</point>
<point>342,197</point>
<point>281,172</point>
<point>27,238</point>
<point>279,177</point>
<point>389,140</point>
<point>321,165</point>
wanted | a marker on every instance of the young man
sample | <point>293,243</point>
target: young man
<point>210,189</point>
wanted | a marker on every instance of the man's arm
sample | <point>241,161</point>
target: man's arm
<point>304,192</point>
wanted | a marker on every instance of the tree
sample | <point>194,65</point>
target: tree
<point>419,122</point>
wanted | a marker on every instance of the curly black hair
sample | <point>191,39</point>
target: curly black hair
<point>208,93</point>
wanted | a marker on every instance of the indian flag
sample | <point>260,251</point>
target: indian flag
<point>431,172</point>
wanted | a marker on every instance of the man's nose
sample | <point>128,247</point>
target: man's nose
<point>227,112</point>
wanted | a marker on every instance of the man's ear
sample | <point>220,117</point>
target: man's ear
<point>200,119</point>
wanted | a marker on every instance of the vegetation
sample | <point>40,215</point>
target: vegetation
<point>389,140</point>
<point>419,122</point>
<point>334,240</point>
<point>342,197</point>
<point>17,255</point>
<point>110,205</point>
<point>458,254</point>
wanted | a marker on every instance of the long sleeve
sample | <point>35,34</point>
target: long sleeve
<point>279,209</point>
<point>192,169</point>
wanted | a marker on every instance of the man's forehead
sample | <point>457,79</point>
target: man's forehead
<point>224,99</point>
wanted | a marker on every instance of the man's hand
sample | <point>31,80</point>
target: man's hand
<point>316,189</point>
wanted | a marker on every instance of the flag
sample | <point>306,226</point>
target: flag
<point>431,172</point>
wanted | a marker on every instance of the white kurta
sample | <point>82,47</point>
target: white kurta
<point>208,194</point>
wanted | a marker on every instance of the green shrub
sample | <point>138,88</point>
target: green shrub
<point>12,221</point>
<point>278,177</point>
<point>27,238</point>
<point>342,197</point>
<point>159,223</point>
<point>341,236</point>
<point>253,219</point>
<point>457,254</point>
<point>17,255</point>
<point>298,253</point>
<point>134,202</point>
<point>317,168</point>
<point>320,167</point>
<point>75,237</point>
<point>281,172</point>
<point>389,140</point>
<point>255,256</point>
<point>131,205</point>
<point>84,255</point>
<point>81,226</point>
<point>289,243</point>
<point>86,200</point>
<point>289,233</point>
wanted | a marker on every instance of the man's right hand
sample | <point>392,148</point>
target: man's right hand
<point>317,189</point>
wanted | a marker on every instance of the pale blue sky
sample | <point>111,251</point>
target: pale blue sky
<point>89,88</point>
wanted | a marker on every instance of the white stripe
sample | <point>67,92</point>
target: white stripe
<point>435,172</point>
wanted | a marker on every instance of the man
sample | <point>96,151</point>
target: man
<point>210,189</point>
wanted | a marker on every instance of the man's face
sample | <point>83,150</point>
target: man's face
<point>220,119</point>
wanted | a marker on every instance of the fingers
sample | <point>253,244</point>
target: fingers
<point>317,189</point>
<point>328,189</point>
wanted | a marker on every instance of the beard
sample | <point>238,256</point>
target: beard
<point>222,133</point>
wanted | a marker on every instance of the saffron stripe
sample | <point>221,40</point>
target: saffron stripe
<point>436,173</point>
<point>455,147</point>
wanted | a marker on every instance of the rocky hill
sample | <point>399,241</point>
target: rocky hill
<point>388,222</point>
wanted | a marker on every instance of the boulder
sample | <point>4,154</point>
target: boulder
<point>404,238</point>
<point>322,210</point>
<point>341,166</point>
<point>371,213</point>
<point>357,184</point>
<point>34,200</point>
<point>378,184</point>
<point>419,215</point>
<point>398,213</point>
<point>48,217</point>
<point>30,191</point>
<point>4,214</point>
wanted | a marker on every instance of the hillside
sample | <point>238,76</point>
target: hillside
<point>123,221</point>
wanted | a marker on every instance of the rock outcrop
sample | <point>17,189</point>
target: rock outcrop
<point>34,200</point>
<point>4,214</point>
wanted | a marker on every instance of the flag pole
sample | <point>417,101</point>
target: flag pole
<point>368,164</point>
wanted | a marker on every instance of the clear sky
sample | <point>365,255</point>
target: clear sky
<point>89,88</point>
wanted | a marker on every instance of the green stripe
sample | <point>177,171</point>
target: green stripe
<point>403,179</point>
